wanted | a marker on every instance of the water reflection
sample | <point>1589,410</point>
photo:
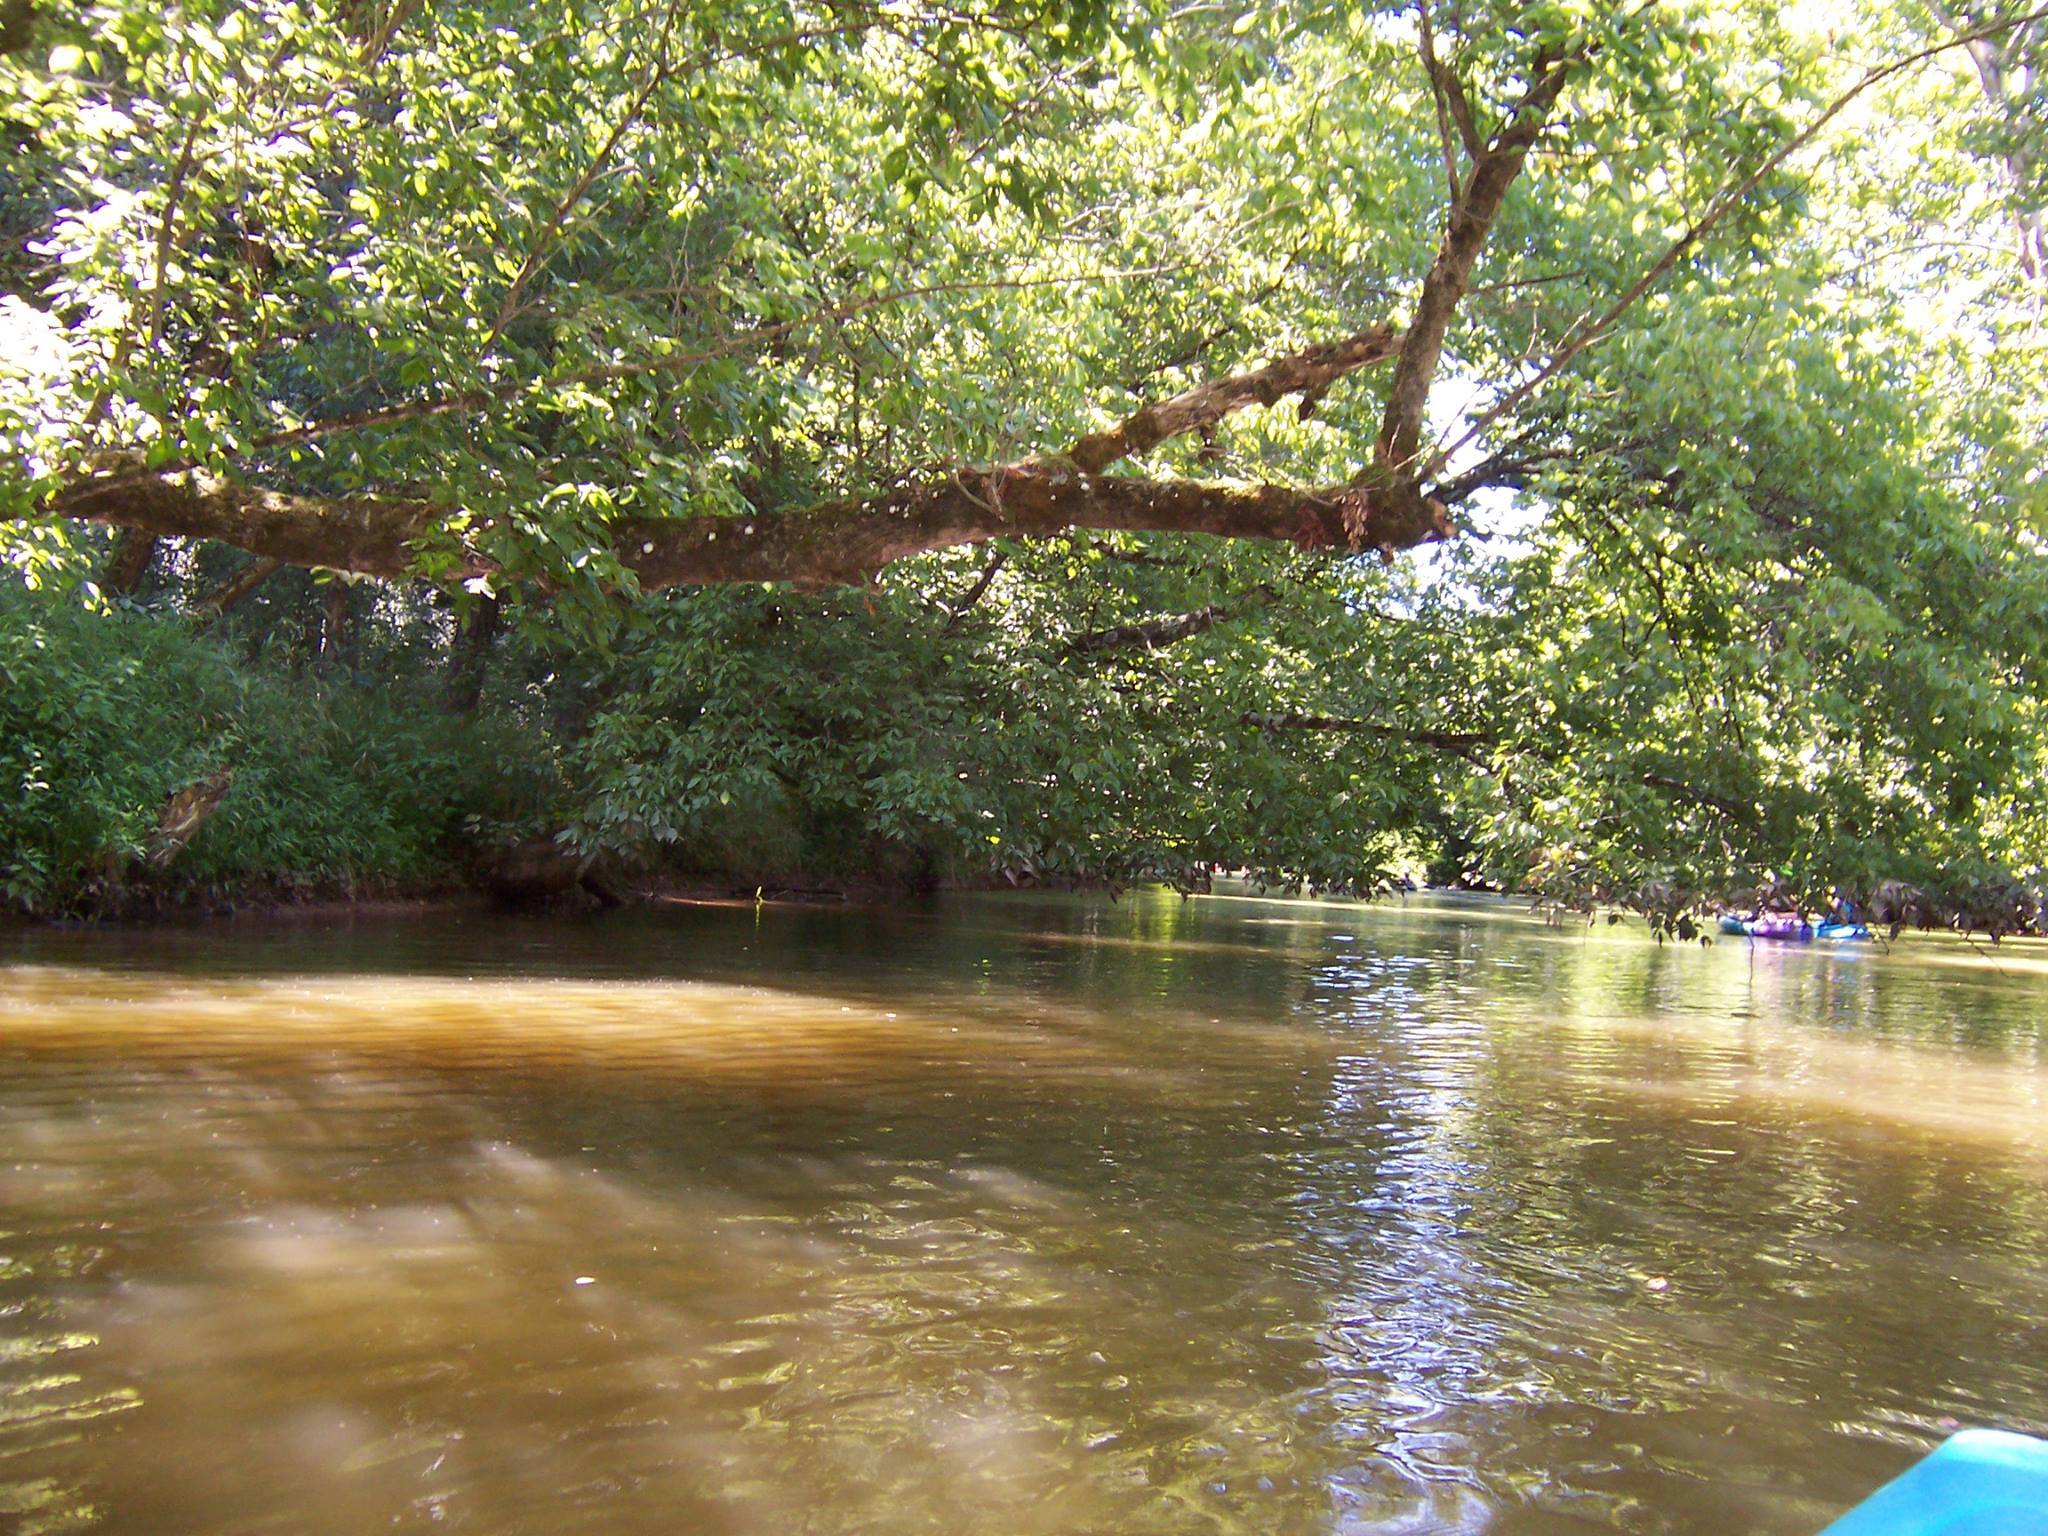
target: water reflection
<point>1023,1215</point>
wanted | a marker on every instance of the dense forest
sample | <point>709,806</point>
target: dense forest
<point>1580,449</point>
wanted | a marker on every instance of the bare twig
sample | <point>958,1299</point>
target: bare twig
<point>960,607</point>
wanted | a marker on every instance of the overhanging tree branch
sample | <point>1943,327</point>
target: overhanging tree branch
<point>831,543</point>
<point>375,535</point>
<point>1475,748</point>
<point>845,541</point>
<point>1734,810</point>
<point>1308,373</point>
<point>1726,202</point>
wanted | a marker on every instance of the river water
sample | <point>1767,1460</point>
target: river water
<point>1005,1215</point>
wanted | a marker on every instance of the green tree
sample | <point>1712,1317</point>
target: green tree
<point>988,314</point>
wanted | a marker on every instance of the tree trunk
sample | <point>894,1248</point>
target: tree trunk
<point>333,626</point>
<point>471,653</point>
<point>128,562</point>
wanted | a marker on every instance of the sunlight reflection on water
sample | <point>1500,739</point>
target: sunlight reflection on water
<point>1021,1216</point>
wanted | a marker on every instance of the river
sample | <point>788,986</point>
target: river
<point>1008,1215</point>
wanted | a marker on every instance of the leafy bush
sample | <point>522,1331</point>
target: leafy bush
<point>774,735</point>
<point>336,786</point>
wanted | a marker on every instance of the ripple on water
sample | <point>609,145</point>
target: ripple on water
<point>1226,1217</point>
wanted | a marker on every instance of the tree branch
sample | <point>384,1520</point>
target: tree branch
<point>1473,747</point>
<point>1730,198</point>
<point>167,227</point>
<point>845,541</point>
<point>235,589</point>
<point>1472,217</point>
<point>1734,810</point>
<point>831,543</point>
<point>380,37</point>
<point>1470,745</point>
<point>1151,634</point>
<point>1461,114</point>
<point>964,604</point>
<point>543,242</point>
<point>17,22</point>
<point>1308,373</point>
<point>371,534</point>
<point>1427,45</point>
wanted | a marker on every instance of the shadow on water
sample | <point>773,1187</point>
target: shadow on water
<point>1005,1214</point>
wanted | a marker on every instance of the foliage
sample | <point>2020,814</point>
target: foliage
<point>1754,593</point>
<point>888,735</point>
<point>336,787</point>
<point>1776,656</point>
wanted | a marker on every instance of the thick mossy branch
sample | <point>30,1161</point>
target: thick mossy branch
<point>374,535</point>
<point>833,543</point>
<point>850,541</point>
<point>837,542</point>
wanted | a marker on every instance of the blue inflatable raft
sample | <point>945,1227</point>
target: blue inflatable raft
<point>1982,1482</point>
<point>1777,925</point>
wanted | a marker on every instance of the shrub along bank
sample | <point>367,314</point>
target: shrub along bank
<point>144,765</point>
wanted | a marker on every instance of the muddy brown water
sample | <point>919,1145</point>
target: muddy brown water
<point>1005,1215</point>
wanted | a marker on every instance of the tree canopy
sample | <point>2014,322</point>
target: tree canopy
<point>1592,448</point>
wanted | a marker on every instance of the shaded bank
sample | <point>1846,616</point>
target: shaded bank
<point>147,769</point>
<point>814,747</point>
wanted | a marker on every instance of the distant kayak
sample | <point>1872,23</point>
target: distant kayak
<point>1982,1482</point>
<point>1784,925</point>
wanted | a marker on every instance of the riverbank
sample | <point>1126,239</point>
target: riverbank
<point>284,902</point>
<point>262,906</point>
